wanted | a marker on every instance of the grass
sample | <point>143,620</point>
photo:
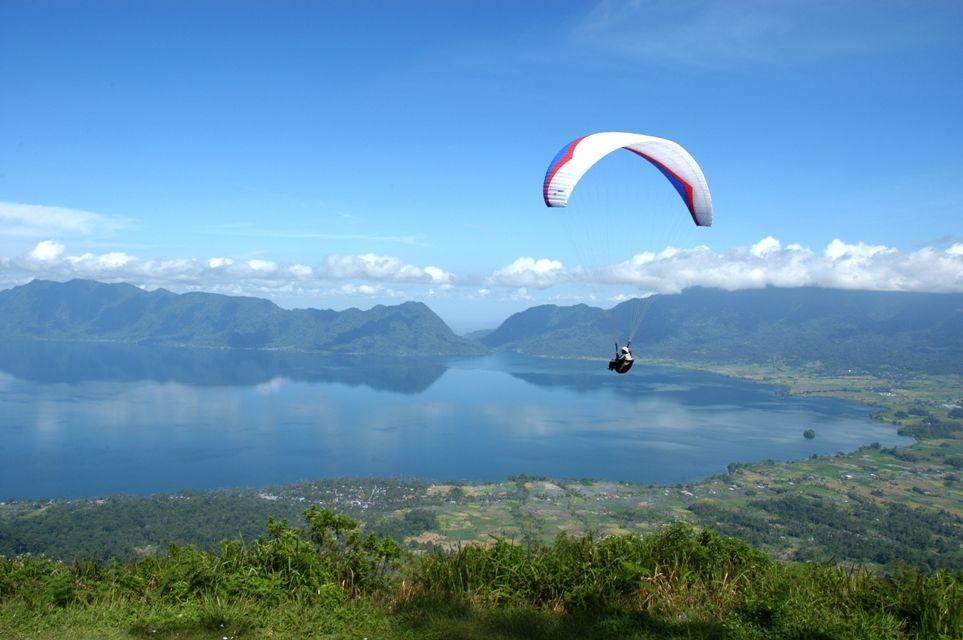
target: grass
<point>329,580</point>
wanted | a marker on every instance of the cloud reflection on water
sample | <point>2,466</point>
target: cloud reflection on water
<point>141,420</point>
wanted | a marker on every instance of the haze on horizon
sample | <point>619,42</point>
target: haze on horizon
<point>344,155</point>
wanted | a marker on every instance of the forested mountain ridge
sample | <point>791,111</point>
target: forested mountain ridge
<point>836,329</point>
<point>86,310</point>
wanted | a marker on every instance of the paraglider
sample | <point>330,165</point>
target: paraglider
<point>623,360</point>
<point>675,163</point>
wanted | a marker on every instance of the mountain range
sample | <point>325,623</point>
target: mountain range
<point>85,310</point>
<point>835,330</point>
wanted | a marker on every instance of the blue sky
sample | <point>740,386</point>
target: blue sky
<point>391,151</point>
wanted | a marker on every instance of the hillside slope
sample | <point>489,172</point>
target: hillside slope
<point>834,328</point>
<point>85,310</point>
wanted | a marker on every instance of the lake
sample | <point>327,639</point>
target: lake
<point>86,420</point>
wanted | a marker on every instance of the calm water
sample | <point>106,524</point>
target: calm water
<point>82,420</point>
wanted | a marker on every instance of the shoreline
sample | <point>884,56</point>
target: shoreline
<point>751,373</point>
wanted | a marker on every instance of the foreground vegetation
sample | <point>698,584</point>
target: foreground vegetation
<point>332,579</point>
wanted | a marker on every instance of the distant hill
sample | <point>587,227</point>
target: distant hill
<point>477,335</point>
<point>836,329</point>
<point>85,310</point>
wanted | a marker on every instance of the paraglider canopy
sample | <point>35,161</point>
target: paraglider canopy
<point>675,163</point>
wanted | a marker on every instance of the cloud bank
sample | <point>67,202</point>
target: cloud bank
<point>50,259</point>
<point>529,272</point>
<point>767,263</point>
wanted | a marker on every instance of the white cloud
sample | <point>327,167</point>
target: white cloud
<point>362,289</point>
<point>106,262</point>
<point>368,290</point>
<point>370,266</point>
<point>300,271</point>
<point>529,272</point>
<point>839,250</point>
<point>840,265</point>
<point>46,250</point>
<point>50,259</point>
<point>764,246</point>
<point>34,220</point>
<point>437,275</point>
<point>262,267</point>
<point>768,262</point>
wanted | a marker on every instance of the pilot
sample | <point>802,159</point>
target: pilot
<point>623,360</point>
